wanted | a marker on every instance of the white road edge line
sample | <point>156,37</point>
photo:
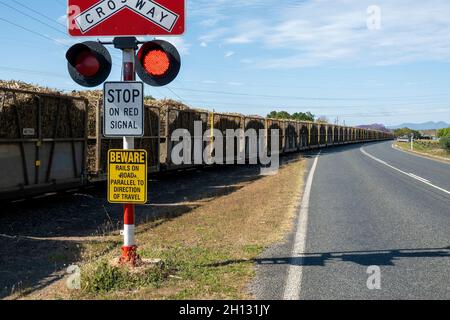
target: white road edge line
<point>294,279</point>
<point>405,173</point>
<point>419,178</point>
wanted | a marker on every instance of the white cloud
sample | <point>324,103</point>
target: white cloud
<point>214,34</point>
<point>209,82</point>
<point>203,44</point>
<point>180,43</point>
<point>62,19</point>
<point>211,22</point>
<point>229,54</point>
<point>250,31</point>
<point>247,61</point>
<point>312,33</point>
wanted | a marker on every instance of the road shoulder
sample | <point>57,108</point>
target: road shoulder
<point>274,267</point>
<point>421,154</point>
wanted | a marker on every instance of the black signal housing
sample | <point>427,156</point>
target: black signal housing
<point>158,63</point>
<point>89,63</point>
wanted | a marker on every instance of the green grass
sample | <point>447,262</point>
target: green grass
<point>201,271</point>
<point>104,277</point>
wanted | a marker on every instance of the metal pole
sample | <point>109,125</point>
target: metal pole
<point>129,254</point>
<point>412,141</point>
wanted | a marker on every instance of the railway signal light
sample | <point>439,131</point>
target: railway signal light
<point>158,63</point>
<point>89,63</point>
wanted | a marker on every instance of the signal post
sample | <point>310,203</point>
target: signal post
<point>157,63</point>
<point>129,248</point>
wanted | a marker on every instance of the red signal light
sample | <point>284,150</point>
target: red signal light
<point>87,64</point>
<point>158,63</point>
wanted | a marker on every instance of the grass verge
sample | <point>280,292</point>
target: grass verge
<point>207,253</point>
<point>426,148</point>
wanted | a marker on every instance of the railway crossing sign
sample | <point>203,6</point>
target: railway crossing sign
<point>127,176</point>
<point>157,64</point>
<point>96,18</point>
<point>123,109</point>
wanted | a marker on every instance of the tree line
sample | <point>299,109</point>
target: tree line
<point>300,116</point>
<point>407,132</point>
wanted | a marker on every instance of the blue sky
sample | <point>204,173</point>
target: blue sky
<point>256,56</point>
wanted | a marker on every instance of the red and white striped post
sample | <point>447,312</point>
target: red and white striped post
<point>129,248</point>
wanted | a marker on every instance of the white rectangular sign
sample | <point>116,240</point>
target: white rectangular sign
<point>105,9</point>
<point>123,109</point>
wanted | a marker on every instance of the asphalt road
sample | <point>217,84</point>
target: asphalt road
<point>371,209</point>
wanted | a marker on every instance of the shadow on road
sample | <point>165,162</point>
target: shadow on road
<point>364,258</point>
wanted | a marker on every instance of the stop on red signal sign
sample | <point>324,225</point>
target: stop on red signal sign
<point>95,18</point>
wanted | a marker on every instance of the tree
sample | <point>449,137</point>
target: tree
<point>407,132</point>
<point>279,115</point>
<point>283,115</point>
<point>272,115</point>
<point>443,132</point>
<point>287,116</point>
<point>445,142</point>
<point>301,116</point>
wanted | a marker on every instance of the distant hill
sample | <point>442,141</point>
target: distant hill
<point>422,126</point>
<point>374,126</point>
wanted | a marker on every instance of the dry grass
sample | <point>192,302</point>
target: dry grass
<point>207,253</point>
<point>426,148</point>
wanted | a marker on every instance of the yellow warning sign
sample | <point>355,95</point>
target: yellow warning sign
<point>127,176</point>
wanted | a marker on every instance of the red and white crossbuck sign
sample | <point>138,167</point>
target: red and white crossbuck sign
<point>95,18</point>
